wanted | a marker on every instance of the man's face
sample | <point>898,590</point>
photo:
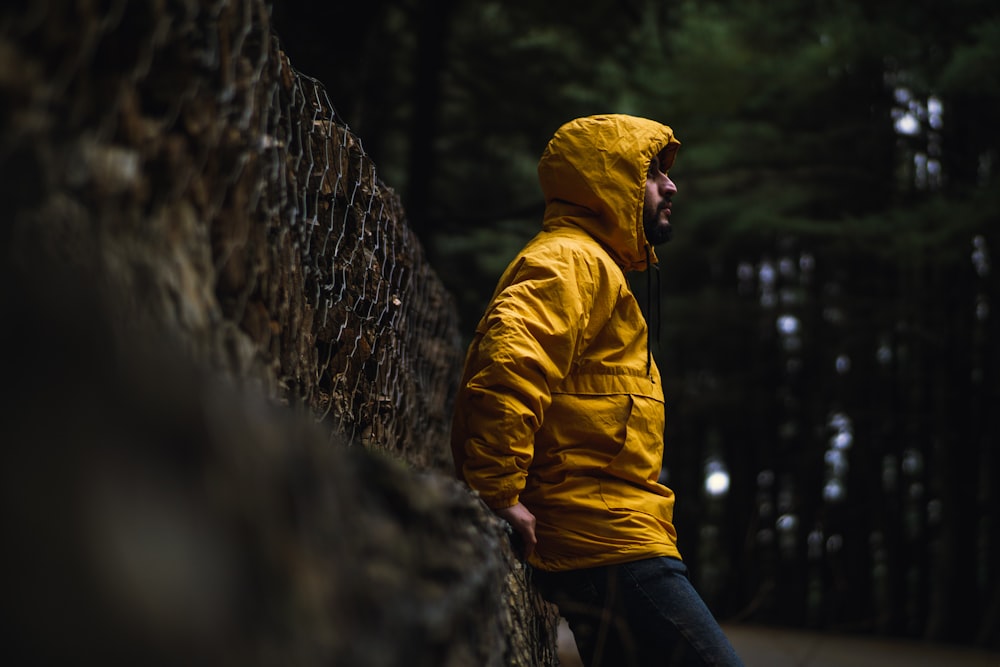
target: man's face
<point>656,206</point>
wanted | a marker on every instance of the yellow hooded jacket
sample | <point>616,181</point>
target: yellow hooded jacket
<point>559,406</point>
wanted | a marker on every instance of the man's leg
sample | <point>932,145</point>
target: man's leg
<point>672,623</point>
<point>641,613</point>
<point>587,599</point>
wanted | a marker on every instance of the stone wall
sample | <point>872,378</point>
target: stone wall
<point>231,366</point>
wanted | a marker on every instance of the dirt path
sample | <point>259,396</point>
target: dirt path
<point>773,647</point>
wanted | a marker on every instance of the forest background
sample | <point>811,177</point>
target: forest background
<point>828,338</point>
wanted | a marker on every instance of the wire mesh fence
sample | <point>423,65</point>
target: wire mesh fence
<point>174,152</point>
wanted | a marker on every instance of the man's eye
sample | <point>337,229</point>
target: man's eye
<point>654,168</point>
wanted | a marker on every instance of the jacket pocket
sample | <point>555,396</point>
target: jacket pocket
<point>630,479</point>
<point>641,455</point>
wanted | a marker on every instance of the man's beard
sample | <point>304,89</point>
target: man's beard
<point>655,232</point>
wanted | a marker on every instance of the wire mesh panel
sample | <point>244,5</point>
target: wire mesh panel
<point>220,195</point>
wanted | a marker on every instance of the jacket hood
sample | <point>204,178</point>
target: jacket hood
<point>593,175</point>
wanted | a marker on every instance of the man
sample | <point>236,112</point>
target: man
<point>559,417</point>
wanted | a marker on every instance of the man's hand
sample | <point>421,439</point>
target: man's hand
<point>523,523</point>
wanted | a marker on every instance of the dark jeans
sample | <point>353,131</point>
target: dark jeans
<point>637,614</point>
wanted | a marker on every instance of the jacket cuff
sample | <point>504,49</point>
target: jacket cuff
<point>501,502</point>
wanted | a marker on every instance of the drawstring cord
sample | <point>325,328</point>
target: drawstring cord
<point>649,309</point>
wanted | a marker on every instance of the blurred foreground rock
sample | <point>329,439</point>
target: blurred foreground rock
<point>157,514</point>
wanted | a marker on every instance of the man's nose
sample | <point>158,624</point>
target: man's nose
<point>668,186</point>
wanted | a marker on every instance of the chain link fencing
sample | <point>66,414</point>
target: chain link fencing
<point>232,204</point>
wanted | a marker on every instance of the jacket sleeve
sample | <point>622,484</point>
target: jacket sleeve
<point>526,344</point>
